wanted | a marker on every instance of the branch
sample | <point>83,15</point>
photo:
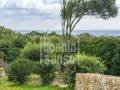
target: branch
<point>73,20</point>
<point>77,22</point>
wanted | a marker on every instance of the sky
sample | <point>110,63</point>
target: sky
<point>45,15</point>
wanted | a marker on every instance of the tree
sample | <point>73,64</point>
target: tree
<point>108,48</point>
<point>74,10</point>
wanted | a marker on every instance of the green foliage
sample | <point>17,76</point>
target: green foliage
<point>105,47</point>
<point>47,72</point>
<point>6,33</point>
<point>37,52</point>
<point>19,71</point>
<point>31,51</point>
<point>7,86</point>
<point>82,63</point>
<point>108,48</point>
<point>115,68</point>
<point>104,8</point>
<point>73,11</point>
<point>1,55</point>
<point>55,39</point>
<point>10,53</point>
<point>34,46</point>
<point>90,64</point>
<point>19,41</point>
<point>34,33</point>
<point>10,44</point>
<point>87,44</point>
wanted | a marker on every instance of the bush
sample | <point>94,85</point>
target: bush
<point>37,52</point>
<point>32,52</point>
<point>19,70</point>
<point>115,68</point>
<point>46,71</point>
<point>19,41</point>
<point>82,64</point>
<point>105,47</point>
<point>10,53</point>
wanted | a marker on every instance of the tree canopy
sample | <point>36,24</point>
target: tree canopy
<point>73,10</point>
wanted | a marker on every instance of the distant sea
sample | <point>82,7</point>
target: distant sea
<point>76,32</point>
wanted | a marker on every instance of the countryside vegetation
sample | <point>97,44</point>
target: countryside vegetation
<point>50,61</point>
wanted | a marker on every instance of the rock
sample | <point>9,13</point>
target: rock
<point>2,72</point>
<point>58,84</point>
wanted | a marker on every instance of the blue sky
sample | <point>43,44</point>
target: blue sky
<point>45,15</point>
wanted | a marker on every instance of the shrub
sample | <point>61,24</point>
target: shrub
<point>19,41</point>
<point>115,68</point>
<point>82,64</point>
<point>32,51</point>
<point>47,72</point>
<point>55,39</point>
<point>36,52</point>
<point>10,53</point>
<point>19,70</point>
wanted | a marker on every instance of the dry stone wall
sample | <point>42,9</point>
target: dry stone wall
<point>91,81</point>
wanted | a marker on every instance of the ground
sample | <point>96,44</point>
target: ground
<point>5,85</point>
<point>28,87</point>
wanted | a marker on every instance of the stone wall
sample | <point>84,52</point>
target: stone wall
<point>91,81</point>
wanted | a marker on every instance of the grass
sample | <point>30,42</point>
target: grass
<point>5,85</point>
<point>29,87</point>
